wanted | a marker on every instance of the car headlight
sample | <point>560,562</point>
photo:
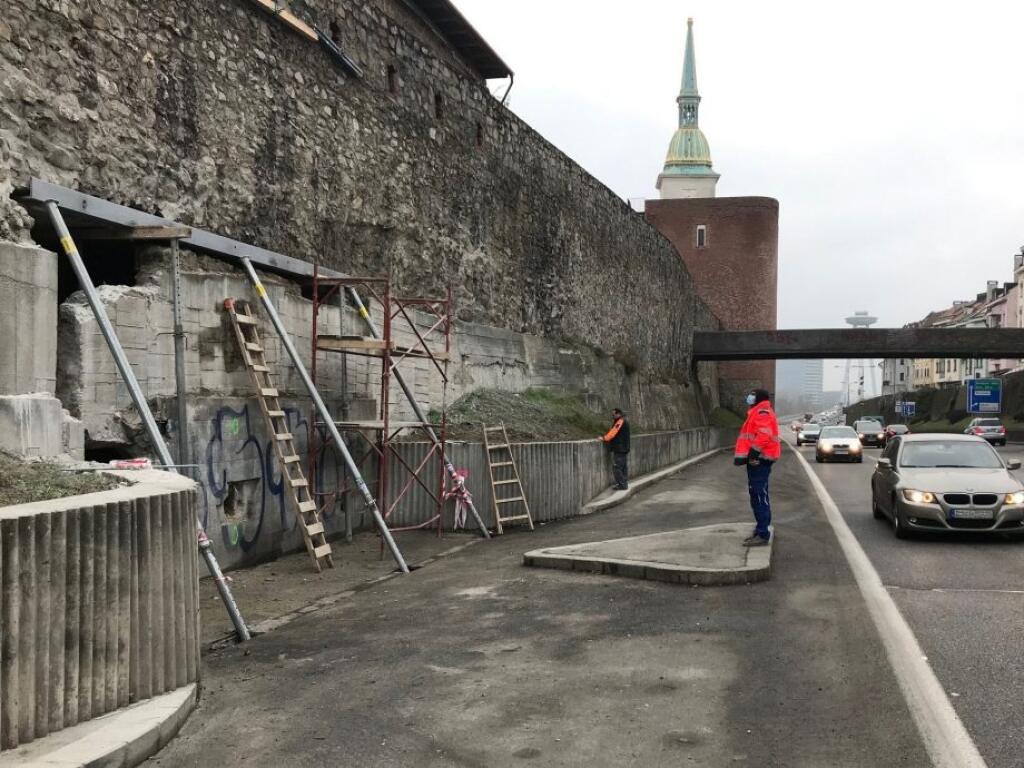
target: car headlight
<point>854,449</point>
<point>881,435</point>
<point>860,435</point>
<point>918,497</point>
<point>826,448</point>
<point>1015,498</point>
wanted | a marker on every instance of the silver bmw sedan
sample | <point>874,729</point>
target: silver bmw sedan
<point>946,483</point>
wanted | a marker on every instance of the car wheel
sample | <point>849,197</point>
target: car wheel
<point>860,460</point>
<point>819,459</point>
<point>876,511</point>
<point>899,525</point>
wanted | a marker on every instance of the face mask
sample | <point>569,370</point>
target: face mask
<point>751,400</point>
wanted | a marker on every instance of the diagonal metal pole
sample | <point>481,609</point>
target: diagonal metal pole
<point>460,484</point>
<point>125,368</point>
<point>325,414</point>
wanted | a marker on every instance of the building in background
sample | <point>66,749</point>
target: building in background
<point>730,244</point>
<point>999,306</point>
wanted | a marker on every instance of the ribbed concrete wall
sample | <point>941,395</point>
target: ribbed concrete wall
<point>558,478</point>
<point>99,603</point>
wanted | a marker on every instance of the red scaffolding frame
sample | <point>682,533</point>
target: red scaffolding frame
<point>379,436</point>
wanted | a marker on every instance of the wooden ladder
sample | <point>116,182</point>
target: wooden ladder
<point>312,527</point>
<point>499,456</point>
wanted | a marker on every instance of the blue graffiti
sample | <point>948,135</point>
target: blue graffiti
<point>232,434</point>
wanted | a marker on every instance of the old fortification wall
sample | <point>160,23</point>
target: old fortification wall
<point>216,114</point>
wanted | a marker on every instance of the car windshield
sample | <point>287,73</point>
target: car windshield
<point>838,432</point>
<point>989,423</point>
<point>869,426</point>
<point>811,427</point>
<point>951,453</point>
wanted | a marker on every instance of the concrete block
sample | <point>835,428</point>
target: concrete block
<point>72,436</point>
<point>28,319</point>
<point>31,425</point>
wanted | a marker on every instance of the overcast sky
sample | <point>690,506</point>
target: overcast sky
<point>892,134</point>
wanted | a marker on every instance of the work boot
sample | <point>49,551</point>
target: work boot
<point>755,541</point>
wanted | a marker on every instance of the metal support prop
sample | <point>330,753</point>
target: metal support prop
<point>460,484</point>
<point>325,415</point>
<point>179,357</point>
<point>125,368</point>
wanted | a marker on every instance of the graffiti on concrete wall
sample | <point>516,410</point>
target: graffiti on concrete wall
<point>241,477</point>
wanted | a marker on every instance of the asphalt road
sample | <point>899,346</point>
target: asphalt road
<point>963,597</point>
<point>477,661</point>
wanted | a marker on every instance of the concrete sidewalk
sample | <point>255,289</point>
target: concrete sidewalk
<point>477,661</point>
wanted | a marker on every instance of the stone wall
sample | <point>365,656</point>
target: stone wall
<point>214,113</point>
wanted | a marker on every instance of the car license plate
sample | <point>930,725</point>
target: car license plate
<point>972,514</point>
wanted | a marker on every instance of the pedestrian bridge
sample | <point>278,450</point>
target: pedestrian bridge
<point>853,343</point>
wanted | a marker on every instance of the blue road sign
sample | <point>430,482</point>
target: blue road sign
<point>909,408</point>
<point>984,396</point>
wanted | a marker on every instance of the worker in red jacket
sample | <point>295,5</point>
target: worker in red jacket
<point>758,447</point>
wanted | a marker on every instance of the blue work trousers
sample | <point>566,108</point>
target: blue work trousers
<point>757,480</point>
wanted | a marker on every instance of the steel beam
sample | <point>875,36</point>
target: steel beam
<point>857,343</point>
<point>100,211</point>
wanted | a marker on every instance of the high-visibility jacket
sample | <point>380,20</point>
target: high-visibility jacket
<point>759,437</point>
<point>617,438</point>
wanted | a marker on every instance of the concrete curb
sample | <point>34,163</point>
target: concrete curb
<point>124,738</point>
<point>607,500</point>
<point>757,567</point>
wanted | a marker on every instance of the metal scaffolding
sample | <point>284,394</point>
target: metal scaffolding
<point>397,474</point>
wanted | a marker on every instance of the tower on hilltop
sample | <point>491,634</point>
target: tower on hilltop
<point>688,172</point>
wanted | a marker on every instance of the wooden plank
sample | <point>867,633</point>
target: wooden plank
<point>253,347</point>
<point>297,482</point>
<point>509,500</point>
<point>268,392</point>
<point>497,447</point>
<point>284,436</point>
<point>260,368</point>
<point>307,506</point>
<point>290,459</point>
<point>244,319</point>
<point>322,551</point>
<point>275,414</point>
<point>516,517</point>
<point>506,482</point>
<point>503,464</point>
<point>314,529</point>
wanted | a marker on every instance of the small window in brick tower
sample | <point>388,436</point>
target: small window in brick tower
<point>702,235</point>
<point>392,79</point>
<point>438,106</point>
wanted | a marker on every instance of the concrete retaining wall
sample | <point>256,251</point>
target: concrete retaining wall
<point>98,603</point>
<point>558,478</point>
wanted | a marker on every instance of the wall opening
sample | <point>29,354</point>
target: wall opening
<point>479,135</point>
<point>392,79</point>
<point>335,30</point>
<point>702,235</point>
<point>438,106</point>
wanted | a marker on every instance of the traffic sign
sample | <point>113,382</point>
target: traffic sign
<point>909,408</point>
<point>984,396</point>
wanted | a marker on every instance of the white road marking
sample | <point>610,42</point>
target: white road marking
<point>944,735</point>
<point>955,590</point>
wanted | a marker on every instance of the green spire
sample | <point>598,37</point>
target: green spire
<point>689,99</point>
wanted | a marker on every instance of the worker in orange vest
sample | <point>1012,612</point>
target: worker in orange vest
<point>758,447</point>
<point>617,441</point>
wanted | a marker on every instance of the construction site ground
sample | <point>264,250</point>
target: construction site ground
<point>475,660</point>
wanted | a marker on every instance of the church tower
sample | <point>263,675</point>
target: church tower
<point>688,172</point>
